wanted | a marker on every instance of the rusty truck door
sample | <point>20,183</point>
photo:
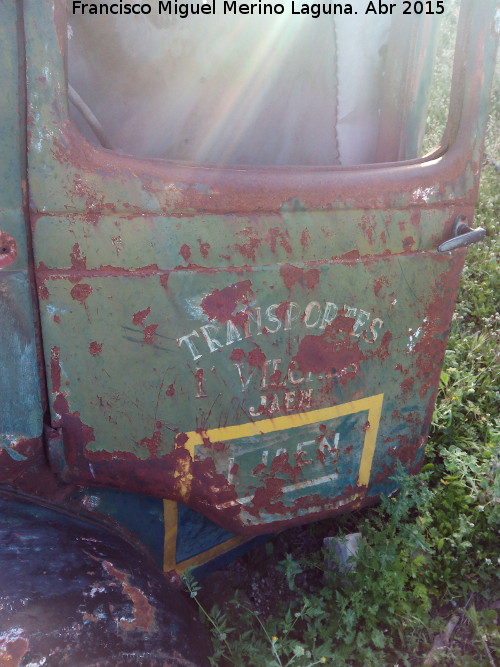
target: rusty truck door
<point>260,343</point>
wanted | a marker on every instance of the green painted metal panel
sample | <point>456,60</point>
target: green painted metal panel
<point>261,344</point>
<point>137,362</point>
<point>20,401</point>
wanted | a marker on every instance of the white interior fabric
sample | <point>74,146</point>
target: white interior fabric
<point>224,89</point>
<point>361,46</point>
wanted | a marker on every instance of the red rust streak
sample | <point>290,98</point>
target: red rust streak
<point>55,369</point>
<point>349,259</point>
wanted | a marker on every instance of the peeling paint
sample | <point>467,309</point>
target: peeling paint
<point>143,616</point>
<point>299,290</point>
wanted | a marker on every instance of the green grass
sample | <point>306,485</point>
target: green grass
<point>429,559</point>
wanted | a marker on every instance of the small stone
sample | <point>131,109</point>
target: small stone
<point>340,552</point>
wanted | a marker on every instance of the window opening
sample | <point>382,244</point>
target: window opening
<point>233,89</point>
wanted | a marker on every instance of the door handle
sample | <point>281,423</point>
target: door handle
<point>463,235</point>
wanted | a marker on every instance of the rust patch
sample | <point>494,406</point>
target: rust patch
<point>431,346</point>
<point>199,375</point>
<point>149,330</point>
<point>181,439</point>
<point>221,304</point>
<point>149,333</point>
<point>8,250</point>
<point>250,247</point>
<point>407,386</point>
<point>237,354</point>
<point>164,281</point>
<point>153,443</point>
<point>170,391</point>
<point>95,348</point>
<point>78,261</point>
<point>256,357</point>
<point>183,474</point>
<point>260,468</point>
<point>292,275</point>
<point>282,310</point>
<point>213,488</point>
<point>55,369</point>
<point>143,611</point>
<point>383,350</point>
<point>76,434</point>
<point>81,292</point>
<point>12,649</point>
<point>350,258</point>
<point>384,473</point>
<point>276,235</point>
<point>379,283</point>
<point>43,292</point>
<point>406,452</point>
<point>140,316</point>
<point>93,203</point>
<point>204,248</point>
<point>185,252</point>
<point>408,242</point>
<point>368,226</point>
<point>267,498</point>
<point>327,352</point>
<point>415,218</point>
<point>305,239</point>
